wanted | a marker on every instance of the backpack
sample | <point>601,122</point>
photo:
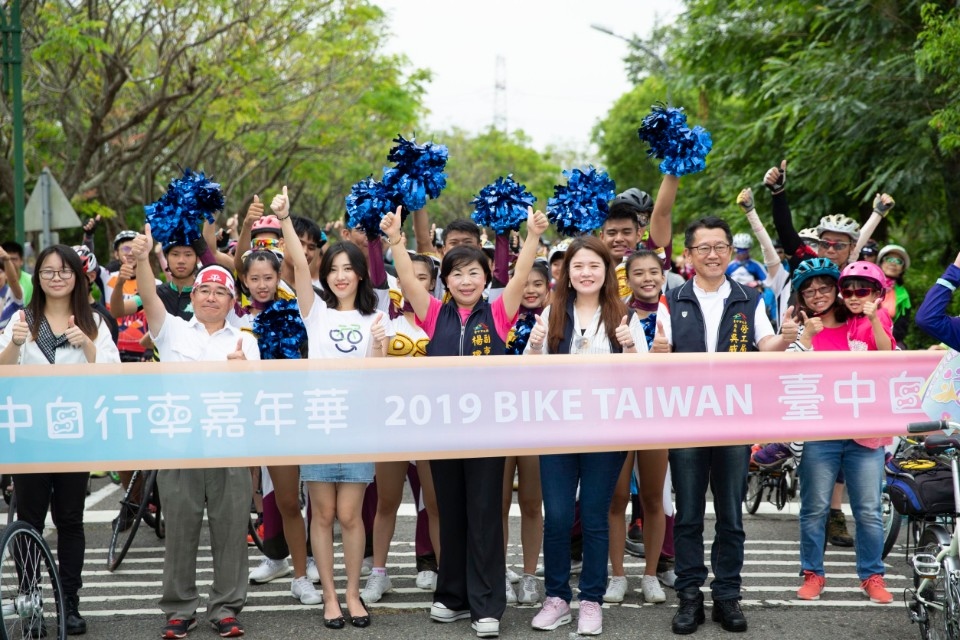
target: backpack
<point>920,486</point>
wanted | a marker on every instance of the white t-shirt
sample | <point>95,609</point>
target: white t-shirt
<point>30,353</point>
<point>711,304</point>
<point>409,340</point>
<point>182,340</point>
<point>340,334</point>
<point>593,339</point>
<point>9,305</point>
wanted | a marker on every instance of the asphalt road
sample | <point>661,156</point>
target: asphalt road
<point>123,604</point>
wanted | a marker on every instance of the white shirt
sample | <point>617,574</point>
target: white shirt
<point>182,340</point>
<point>593,339</point>
<point>332,333</point>
<point>30,353</point>
<point>711,304</point>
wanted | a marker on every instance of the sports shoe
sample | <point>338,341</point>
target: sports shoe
<point>652,592</point>
<point>876,589</point>
<point>812,586</point>
<point>439,612</point>
<point>303,590</point>
<point>228,627</point>
<point>312,571</point>
<point>260,529</point>
<point>177,628</point>
<point>616,589</point>
<point>377,585</point>
<point>590,620</point>
<point>576,566</point>
<point>667,577</point>
<point>837,530</point>
<point>729,614</point>
<point>427,580</point>
<point>270,570</point>
<point>367,566</point>
<point>555,612</point>
<point>486,627</point>
<point>529,592</point>
<point>512,576</point>
<point>635,531</point>
<point>511,594</point>
<point>635,548</point>
<point>772,455</point>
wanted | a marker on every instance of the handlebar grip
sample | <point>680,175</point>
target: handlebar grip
<point>924,427</point>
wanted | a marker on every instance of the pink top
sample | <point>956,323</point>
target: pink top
<point>502,323</point>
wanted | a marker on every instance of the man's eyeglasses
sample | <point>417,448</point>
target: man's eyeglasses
<point>826,245</point>
<point>215,292</point>
<point>50,274</point>
<point>850,292</point>
<point>812,293</point>
<point>704,250</point>
<point>893,260</point>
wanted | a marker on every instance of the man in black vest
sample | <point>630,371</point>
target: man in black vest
<point>711,313</point>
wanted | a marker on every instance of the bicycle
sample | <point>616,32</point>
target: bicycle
<point>31,596</point>
<point>778,481</point>
<point>935,600</point>
<point>140,502</point>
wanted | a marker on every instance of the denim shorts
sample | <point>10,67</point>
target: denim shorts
<point>337,472</point>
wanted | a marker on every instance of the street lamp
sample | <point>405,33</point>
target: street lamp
<point>635,42</point>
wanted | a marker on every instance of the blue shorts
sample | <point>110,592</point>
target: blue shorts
<point>337,472</point>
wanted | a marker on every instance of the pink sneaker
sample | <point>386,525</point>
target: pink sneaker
<point>555,612</point>
<point>590,621</point>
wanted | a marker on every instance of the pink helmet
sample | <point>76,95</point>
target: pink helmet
<point>266,224</point>
<point>863,270</point>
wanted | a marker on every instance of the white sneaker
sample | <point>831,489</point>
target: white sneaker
<point>440,613</point>
<point>270,570</point>
<point>312,571</point>
<point>367,566</point>
<point>529,590</point>
<point>512,576</point>
<point>616,589</point>
<point>486,627</point>
<point>576,566</point>
<point>427,580</point>
<point>652,592</point>
<point>511,594</point>
<point>539,571</point>
<point>554,613</point>
<point>304,591</point>
<point>668,577</point>
<point>377,585</point>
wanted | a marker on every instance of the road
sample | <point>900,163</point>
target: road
<point>124,604</point>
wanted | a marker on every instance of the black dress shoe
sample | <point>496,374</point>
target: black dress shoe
<point>690,614</point>
<point>334,623</point>
<point>729,615</point>
<point>76,625</point>
<point>363,621</point>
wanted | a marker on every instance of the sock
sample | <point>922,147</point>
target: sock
<point>378,571</point>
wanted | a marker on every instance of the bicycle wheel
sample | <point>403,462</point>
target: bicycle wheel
<point>31,597</point>
<point>133,507</point>
<point>891,523</point>
<point>754,493</point>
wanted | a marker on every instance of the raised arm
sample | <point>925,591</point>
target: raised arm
<point>13,278</point>
<point>254,212</point>
<point>211,254</point>
<point>882,203</point>
<point>776,180</point>
<point>152,304</point>
<point>421,232</point>
<point>537,223</point>
<point>661,220</point>
<point>119,306</point>
<point>932,315</point>
<point>413,291</point>
<point>293,251</point>
<point>770,258</point>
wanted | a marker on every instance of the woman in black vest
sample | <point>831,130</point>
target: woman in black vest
<point>469,491</point>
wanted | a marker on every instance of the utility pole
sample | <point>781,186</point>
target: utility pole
<point>500,96</point>
<point>12,61</point>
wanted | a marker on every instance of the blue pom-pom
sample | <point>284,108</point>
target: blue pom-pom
<point>368,202</point>
<point>580,206</point>
<point>176,217</point>
<point>502,205</point>
<point>521,334</point>
<point>280,331</point>
<point>418,172</point>
<point>681,149</point>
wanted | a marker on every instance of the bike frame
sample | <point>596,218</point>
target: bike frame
<point>951,551</point>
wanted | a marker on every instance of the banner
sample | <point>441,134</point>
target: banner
<point>206,414</point>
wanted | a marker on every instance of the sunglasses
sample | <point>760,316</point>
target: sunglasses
<point>826,245</point>
<point>857,293</point>
<point>893,260</point>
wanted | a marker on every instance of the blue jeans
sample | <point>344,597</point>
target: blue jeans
<point>863,471</point>
<point>724,470</point>
<point>597,474</point>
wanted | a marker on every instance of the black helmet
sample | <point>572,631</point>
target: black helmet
<point>636,199</point>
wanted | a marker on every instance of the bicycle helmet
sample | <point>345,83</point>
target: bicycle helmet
<point>839,223</point>
<point>813,268</point>
<point>809,234</point>
<point>863,270</point>
<point>895,248</point>
<point>742,241</point>
<point>87,259</point>
<point>124,236</point>
<point>266,224</point>
<point>638,200</point>
<point>558,251</point>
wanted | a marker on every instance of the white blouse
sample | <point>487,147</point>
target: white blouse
<point>30,352</point>
<point>593,339</point>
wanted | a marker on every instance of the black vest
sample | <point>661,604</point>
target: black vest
<point>736,330</point>
<point>476,337</point>
<point>564,346</point>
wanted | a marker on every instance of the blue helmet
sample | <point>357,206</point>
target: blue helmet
<point>813,268</point>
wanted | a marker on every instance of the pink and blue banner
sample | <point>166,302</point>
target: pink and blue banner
<point>286,412</point>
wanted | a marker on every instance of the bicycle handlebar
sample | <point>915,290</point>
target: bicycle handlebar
<point>931,425</point>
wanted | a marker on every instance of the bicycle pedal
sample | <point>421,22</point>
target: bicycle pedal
<point>925,565</point>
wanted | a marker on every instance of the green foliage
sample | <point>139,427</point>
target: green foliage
<point>938,56</point>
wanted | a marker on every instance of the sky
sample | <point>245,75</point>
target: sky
<point>561,75</point>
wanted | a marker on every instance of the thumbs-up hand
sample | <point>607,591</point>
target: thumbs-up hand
<point>811,327</point>
<point>391,226</point>
<point>77,338</point>
<point>789,329</point>
<point>537,222</point>
<point>745,200</point>
<point>378,332</point>
<point>776,178</point>
<point>142,245</point>
<point>238,354</point>
<point>538,333</point>
<point>281,204</point>
<point>870,310</point>
<point>19,330</point>
<point>254,212</point>
<point>660,342</point>
<point>624,337</point>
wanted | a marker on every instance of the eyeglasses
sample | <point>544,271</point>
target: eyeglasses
<point>893,260</point>
<point>50,274</point>
<point>826,245</point>
<point>721,249</point>
<point>215,292</point>
<point>812,293</point>
<point>850,292</point>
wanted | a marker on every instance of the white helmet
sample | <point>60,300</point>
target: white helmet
<point>809,234</point>
<point>742,241</point>
<point>839,223</point>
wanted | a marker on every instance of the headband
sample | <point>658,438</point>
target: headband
<point>216,275</point>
